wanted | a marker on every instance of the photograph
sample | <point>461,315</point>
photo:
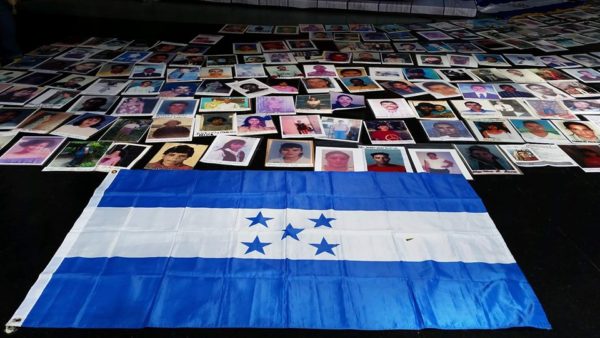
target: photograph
<point>176,156</point>
<point>316,85</point>
<point>489,75</point>
<point>521,75</point>
<point>148,71</point>
<point>360,84</point>
<point>179,89</point>
<point>78,156</point>
<point>587,157</point>
<point>456,75</point>
<point>339,159</point>
<point>430,60</point>
<point>36,78</point>
<point>440,89</point>
<point>583,106</point>
<point>437,47</point>
<point>219,72</point>
<point>494,130</point>
<point>53,99</point>
<point>413,47</point>
<point>127,130</point>
<point>188,60</point>
<point>320,71</point>
<point>579,131</point>
<point>434,35</point>
<point>106,87</point>
<point>587,75</point>
<point>143,87</point>
<point>279,58</point>
<point>438,161</point>
<point>7,75</point>
<point>111,69</point>
<point>320,36</point>
<point>31,150</point>
<point>214,124</point>
<point>301,44</point>
<point>10,118</point>
<point>255,125</point>
<point>18,95</point>
<point>121,156</point>
<point>42,121</point>
<point>284,72</point>
<point>248,59</point>
<point>274,46</point>
<point>379,73</point>
<point>524,60</point>
<point>351,71</point>
<point>491,60</point>
<point>390,108</point>
<point>538,131</point>
<point>337,57</point>
<point>523,155</point>
<point>92,104</point>
<point>209,104</point>
<point>576,89</point>
<point>545,92</point>
<point>73,81</point>
<point>486,159</point>
<point>206,39</point>
<point>403,88</point>
<point>246,48</point>
<point>85,126</point>
<point>231,150</point>
<point>275,105</point>
<point>402,59</point>
<point>512,90</point>
<point>259,29</point>
<point>251,88</point>
<point>286,30</point>
<point>475,108</point>
<point>341,129</point>
<point>166,129</point>
<point>182,74</point>
<point>585,60</point>
<point>282,86</point>
<point>289,153</point>
<point>307,28</point>
<point>478,91</point>
<point>341,101</point>
<point>447,131</point>
<point>300,126</point>
<point>135,106</point>
<point>242,71</point>
<point>131,56</point>
<point>220,60</point>
<point>214,88</point>
<point>388,132</point>
<point>313,104</point>
<point>550,109</point>
<point>366,57</point>
<point>433,110</point>
<point>555,61</point>
<point>386,159</point>
<point>176,108</point>
<point>420,74</point>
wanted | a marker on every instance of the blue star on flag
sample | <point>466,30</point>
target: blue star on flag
<point>322,221</point>
<point>259,219</point>
<point>292,232</point>
<point>256,245</point>
<point>324,247</point>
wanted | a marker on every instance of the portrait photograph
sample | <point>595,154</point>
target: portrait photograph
<point>587,157</point>
<point>583,106</point>
<point>143,87</point>
<point>521,75</point>
<point>242,71</point>
<point>221,60</point>
<point>401,59</point>
<point>337,57</point>
<point>522,155</point>
<point>284,72</point>
<point>36,78</point>
<point>315,85</point>
<point>382,73</point>
<point>11,117</point>
<point>440,89</point>
<point>284,86</point>
<point>121,156</point>
<point>475,108</point>
<point>576,89</point>
<point>42,121</point>
<point>115,69</point>
<point>231,150</point>
<point>209,104</point>
<point>401,36</point>
<point>251,88</point>
<point>179,89</point>
<point>313,104</point>
<point>85,126</point>
<point>212,124</point>
<point>437,47</point>
<point>339,159</point>
<point>135,106</point>
<point>586,60</point>
<point>344,36</point>
<point>92,104</point>
<point>587,75</point>
<point>403,88</point>
<point>132,56</point>
<point>446,131</point>
<point>7,75</point>
<point>31,61</point>
<point>188,60</point>
<point>286,30</point>
<point>413,47</point>
<point>214,88</point>
<point>431,60</point>
<point>301,44</point>
<point>538,131</point>
<point>158,58</point>
<point>486,159</point>
<point>273,46</point>
<point>464,47</point>
<point>512,90</point>
<point>77,53</point>
<point>301,126</point>
<point>254,59</point>
<point>310,27</point>
<point>148,71</point>
<point>456,75</point>
<point>438,161</point>
<point>579,131</point>
<point>494,130</point>
<point>434,35</point>
<point>289,153</point>
<point>390,108</point>
<point>524,60</point>
<point>549,109</point>
<point>478,91</point>
<point>259,29</point>
<point>167,129</point>
<point>320,36</point>
<point>249,124</point>
<point>206,39</point>
<point>350,71</point>
<point>275,105</point>
<point>246,48</point>
<point>341,101</point>
<point>176,156</point>
<point>433,109</point>
<point>106,87</point>
<point>491,60</point>
<point>18,95</point>
<point>73,81</point>
<point>555,61</point>
<point>386,159</point>
<point>366,57</point>
<point>78,156</point>
<point>171,107</point>
<point>374,36</point>
<point>360,84</point>
<point>279,58</point>
<point>341,129</point>
<point>320,71</point>
<point>127,130</point>
<point>31,150</point>
<point>388,132</point>
<point>53,98</point>
<point>420,74</point>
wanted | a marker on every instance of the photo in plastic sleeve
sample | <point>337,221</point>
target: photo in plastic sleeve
<point>167,129</point>
<point>176,156</point>
<point>437,47</point>
<point>18,95</point>
<point>121,156</point>
<point>92,104</point>
<point>438,161</point>
<point>180,107</point>
<point>403,88</point>
<point>215,123</point>
<point>587,157</point>
<point>579,131</point>
<point>214,88</point>
<point>255,125</point>
<point>433,109</point>
<point>341,129</point>
<point>388,132</point>
<point>289,153</point>
<point>301,126</point>
<point>144,87</point>
<point>386,159</point>
<point>447,131</point>
<point>391,108</point>
<point>127,130</point>
<point>78,156</point>
<point>538,131</point>
<point>231,150</point>
<point>486,159</point>
<point>494,130</point>
<point>339,159</point>
<point>313,104</point>
<point>242,71</point>
<point>229,104</point>
<point>31,150</point>
<point>135,106</point>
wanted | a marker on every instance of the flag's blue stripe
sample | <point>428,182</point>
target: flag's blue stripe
<point>229,292</point>
<point>292,189</point>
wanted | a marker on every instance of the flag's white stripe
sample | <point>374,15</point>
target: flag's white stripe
<point>219,233</point>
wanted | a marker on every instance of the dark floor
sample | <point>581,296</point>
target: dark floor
<point>548,217</point>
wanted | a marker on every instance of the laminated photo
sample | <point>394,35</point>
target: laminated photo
<point>275,105</point>
<point>242,71</point>
<point>92,104</point>
<point>289,153</point>
<point>339,159</point>
<point>430,60</point>
<point>315,85</point>
<point>31,150</point>
<point>440,89</point>
<point>115,69</point>
<point>380,73</point>
<point>587,75</point>
<point>549,109</point>
<point>420,74</point>
<point>182,74</point>
<point>53,99</point>
<point>127,130</point>
<point>402,59</point>
<point>538,131</point>
<point>73,81</point>
<point>583,106</point>
<point>215,123</point>
<point>447,131</point>
<point>341,129</point>
<point>388,132</point>
<point>390,108</point>
<point>283,86</point>
<point>179,89</point>
<point>176,156</point>
<point>386,159</point>
<point>342,101</point>
<point>135,106</point>
<point>284,72</point>
<point>221,60</point>
<point>403,88</point>
<point>438,161</point>
<point>19,95</point>
<point>486,159</point>
<point>313,104</point>
<point>11,117</point>
<point>148,71</point>
<point>106,87</point>
<point>218,72</point>
<point>366,57</point>
<point>475,108</point>
<point>512,90</point>
<point>279,58</point>
<point>251,88</point>
<point>255,125</point>
<point>433,110</point>
<point>301,126</point>
<point>246,48</point>
<point>144,87</point>
<point>176,108</point>
<point>350,71</point>
<point>231,150</point>
<point>360,84</point>
<point>166,129</point>
<point>494,130</point>
<point>214,88</point>
<point>42,121</point>
<point>209,104</point>
<point>456,75</point>
<point>320,71</point>
<point>78,156</point>
<point>121,156</point>
<point>579,131</point>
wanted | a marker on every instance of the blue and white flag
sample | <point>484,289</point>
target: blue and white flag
<point>277,249</point>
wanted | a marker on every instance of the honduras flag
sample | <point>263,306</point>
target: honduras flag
<point>277,249</point>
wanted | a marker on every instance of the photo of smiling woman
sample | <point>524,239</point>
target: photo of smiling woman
<point>284,153</point>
